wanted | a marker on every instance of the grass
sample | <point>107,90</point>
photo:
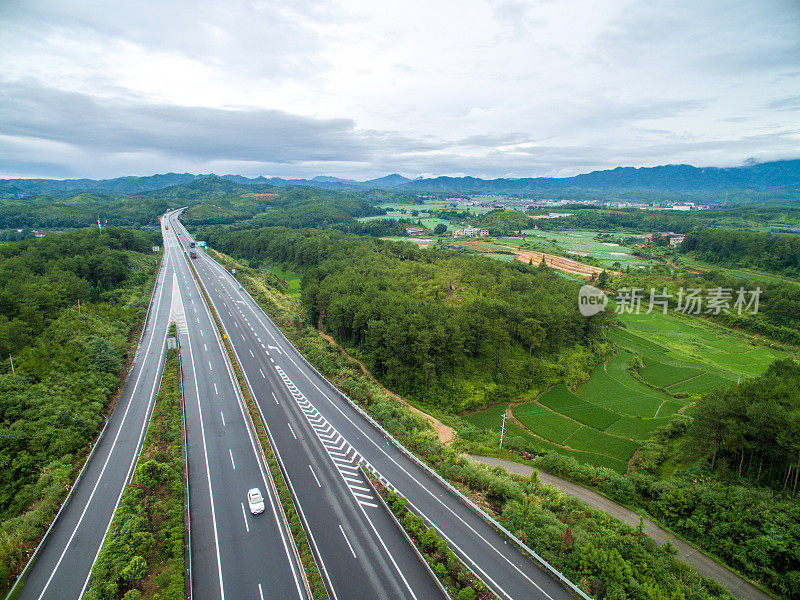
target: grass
<point>546,423</point>
<point>291,278</point>
<point>561,400</point>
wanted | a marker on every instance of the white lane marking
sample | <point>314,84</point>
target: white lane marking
<point>223,418</point>
<point>236,324</point>
<point>201,332</point>
<point>205,348</point>
<point>135,458</point>
<point>273,395</point>
<point>210,368</point>
<point>244,337</point>
<point>262,373</point>
<point>260,593</point>
<point>244,516</point>
<point>251,352</point>
<point>315,476</point>
<point>216,391</point>
<point>198,320</point>
<point>346,540</point>
<point>271,359</point>
<point>208,474</point>
<point>233,464</point>
<point>292,430</point>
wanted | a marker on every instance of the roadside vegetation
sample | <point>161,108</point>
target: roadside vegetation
<point>142,557</point>
<point>68,360</point>
<point>448,331</point>
<point>606,558</point>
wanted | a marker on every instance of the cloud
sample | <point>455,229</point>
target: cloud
<point>358,89</point>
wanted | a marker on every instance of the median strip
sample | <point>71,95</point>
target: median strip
<point>311,574</point>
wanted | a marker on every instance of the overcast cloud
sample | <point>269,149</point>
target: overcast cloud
<point>360,89</point>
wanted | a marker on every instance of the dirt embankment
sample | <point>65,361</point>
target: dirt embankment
<point>557,262</point>
<point>446,434</point>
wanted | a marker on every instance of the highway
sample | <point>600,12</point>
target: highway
<point>360,551</point>
<point>234,554</point>
<point>63,563</point>
<point>308,420</point>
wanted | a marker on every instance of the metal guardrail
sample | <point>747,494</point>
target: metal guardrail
<point>20,578</point>
<point>552,571</point>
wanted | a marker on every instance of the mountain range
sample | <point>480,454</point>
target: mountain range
<point>760,177</point>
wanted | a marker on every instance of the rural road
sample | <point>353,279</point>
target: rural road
<point>703,564</point>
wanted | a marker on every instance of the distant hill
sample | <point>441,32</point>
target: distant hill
<point>763,177</point>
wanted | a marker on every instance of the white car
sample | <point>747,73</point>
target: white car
<point>255,501</point>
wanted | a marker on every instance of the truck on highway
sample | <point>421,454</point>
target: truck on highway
<point>193,254</point>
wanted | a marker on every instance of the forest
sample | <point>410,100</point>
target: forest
<point>211,200</point>
<point>67,363</point>
<point>752,431</point>
<point>452,331</point>
<point>771,252</point>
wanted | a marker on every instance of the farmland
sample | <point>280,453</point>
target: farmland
<point>583,243</point>
<point>663,363</point>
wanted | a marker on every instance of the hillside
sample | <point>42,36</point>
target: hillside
<point>764,177</point>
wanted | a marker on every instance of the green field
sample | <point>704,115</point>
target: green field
<point>582,243</point>
<point>559,399</point>
<point>603,420</point>
<point>291,278</point>
<point>491,419</point>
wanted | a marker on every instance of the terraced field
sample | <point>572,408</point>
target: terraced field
<point>603,421</point>
<point>491,419</point>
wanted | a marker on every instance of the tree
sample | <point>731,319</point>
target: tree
<point>440,229</point>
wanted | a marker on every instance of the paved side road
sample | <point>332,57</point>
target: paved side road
<point>703,564</point>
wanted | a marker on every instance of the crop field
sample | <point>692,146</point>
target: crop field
<point>546,423</point>
<point>491,419</point>
<point>682,341</point>
<point>612,387</point>
<point>605,419</point>
<point>582,243</point>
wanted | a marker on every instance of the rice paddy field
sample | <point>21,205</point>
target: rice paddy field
<point>582,243</point>
<point>604,420</point>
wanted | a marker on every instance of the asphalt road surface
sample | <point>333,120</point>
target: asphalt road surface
<point>62,566</point>
<point>235,554</point>
<point>359,549</point>
<point>309,421</point>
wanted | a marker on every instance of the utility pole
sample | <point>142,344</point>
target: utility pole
<point>12,363</point>
<point>503,430</point>
<point>79,306</point>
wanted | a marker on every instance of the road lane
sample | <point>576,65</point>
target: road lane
<point>501,565</point>
<point>372,559</point>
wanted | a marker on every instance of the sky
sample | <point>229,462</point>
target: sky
<point>360,89</point>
